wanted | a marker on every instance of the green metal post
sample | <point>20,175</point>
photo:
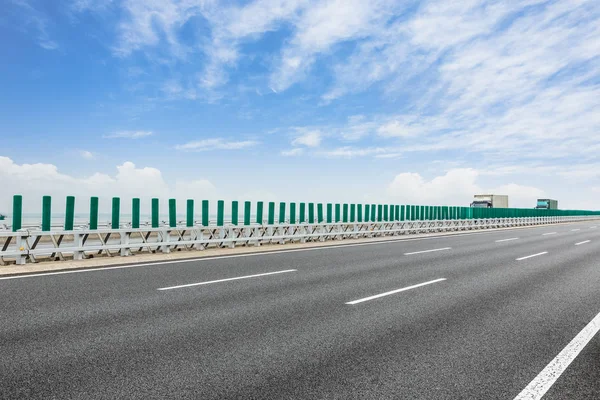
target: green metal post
<point>392,212</point>
<point>220,212</point>
<point>367,212</point>
<point>311,213</point>
<point>17,215</point>
<point>205,213</point>
<point>345,213</point>
<point>282,213</point>
<point>116,213</point>
<point>386,214</point>
<point>70,213</point>
<point>329,213</point>
<point>259,212</point>
<point>189,213</point>
<point>292,213</point>
<point>337,212</point>
<point>352,212</point>
<point>359,214</point>
<point>135,213</point>
<point>154,216</point>
<point>235,209</point>
<point>373,213</point>
<point>247,212</point>
<point>93,213</point>
<point>46,212</point>
<point>302,213</point>
<point>320,213</point>
<point>172,213</point>
<point>271,216</point>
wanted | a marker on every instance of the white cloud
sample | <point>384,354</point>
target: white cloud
<point>311,138</point>
<point>88,155</point>
<point>456,187</point>
<point>352,152</point>
<point>215,144</point>
<point>35,180</point>
<point>293,152</point>
<point>128,135</point>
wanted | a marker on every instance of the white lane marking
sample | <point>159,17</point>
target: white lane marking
<point>593,227</point>
<point>584,242</point>
<point>549,233</point>
<point>506,240</point>
<point>394,291</point>
<point>226,280</point>
<point>545,379</point>
<point>533,255</point>
<point>427,251</point>
<point>575,230</point>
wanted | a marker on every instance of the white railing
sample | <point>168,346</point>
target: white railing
<point>34,245</point>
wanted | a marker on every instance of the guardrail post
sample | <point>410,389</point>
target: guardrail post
<point>205,213</point>
<point>116,213</point>
<point>172,213</point>
<point>135,213</point>
<point>93,213</point>
<point>189,213</point>
<point>69,213</point>
<point>46,213</point>
<point>17,215</point>
<point>154,215</point>
<point>78,242</point>
<point>21,237</point>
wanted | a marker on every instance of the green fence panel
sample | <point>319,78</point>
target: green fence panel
<point>338,212</point>
<point>17,215</point>
<point>135,213</point>
<point>259,212</point>
<point>282,212</point>
<point>154,215</point>
<point>116,212</point>
<point>367,212</point>
<point>379,216</point>
<point>352,212</point>
<point>292,213</point>
<point>373,213</point>
<point>302,213</point>
<point>235,210</point>
<point>311,213</point>
<point>386,213</point>
<point>329,213</point>
<point>205,213</point>
<point>172,213</point>
<point>93,213</point>
<point>247,212</point>
<point>320,213</point>
<point>46,212</point>
<point>359,214</point>
<point>189,213</point>
<point>271,216</point>
<point>69,213</point>
<point>345,213</point>
<point>220,212</point>
<point>392,214</point>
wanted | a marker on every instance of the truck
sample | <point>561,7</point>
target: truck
<point>490,201</point>
<point>547,204</point>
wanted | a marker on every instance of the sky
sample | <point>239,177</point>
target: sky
<point>425,102</point>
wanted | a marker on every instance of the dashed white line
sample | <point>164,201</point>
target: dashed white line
<point>545,379</point>
<point>427,251</point>
<point>593,227</point>
<point>549,233</point>
<point>531,256</point>
<point>584,242</point>
<point>394,291</point>
<point>506,240</point>
<point>226,280</point>
<point>575,230</point>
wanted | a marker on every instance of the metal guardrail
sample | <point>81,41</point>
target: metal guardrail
<point>34,245</point>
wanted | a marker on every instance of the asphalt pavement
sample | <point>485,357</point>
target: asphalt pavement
<point>474,316</point>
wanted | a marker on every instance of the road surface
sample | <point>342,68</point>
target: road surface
<point>490,315</point>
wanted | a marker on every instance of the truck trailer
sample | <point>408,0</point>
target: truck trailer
<point>490,201</point>
<point>547,204</point>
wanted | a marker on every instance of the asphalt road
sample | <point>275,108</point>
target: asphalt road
<point>484,332</point>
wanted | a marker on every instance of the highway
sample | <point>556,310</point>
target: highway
<point>474,316</point>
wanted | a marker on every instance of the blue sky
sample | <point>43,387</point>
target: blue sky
<point>395,101</point>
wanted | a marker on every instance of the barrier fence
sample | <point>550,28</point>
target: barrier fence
<point>296,222</point>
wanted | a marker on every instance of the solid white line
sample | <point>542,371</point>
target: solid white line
<point>226,280</point>
<point>506,240</point>
<point>549,233</point>
<point>427,251</point>
<point>575,230</point>
<point>394,291</point>
<point>533,255</point>
<point>584,242</point>
<point>545,379</point>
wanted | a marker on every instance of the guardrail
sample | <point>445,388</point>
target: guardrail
<point>295,222</point>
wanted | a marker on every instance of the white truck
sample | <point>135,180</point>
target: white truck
<point>490,201</point>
